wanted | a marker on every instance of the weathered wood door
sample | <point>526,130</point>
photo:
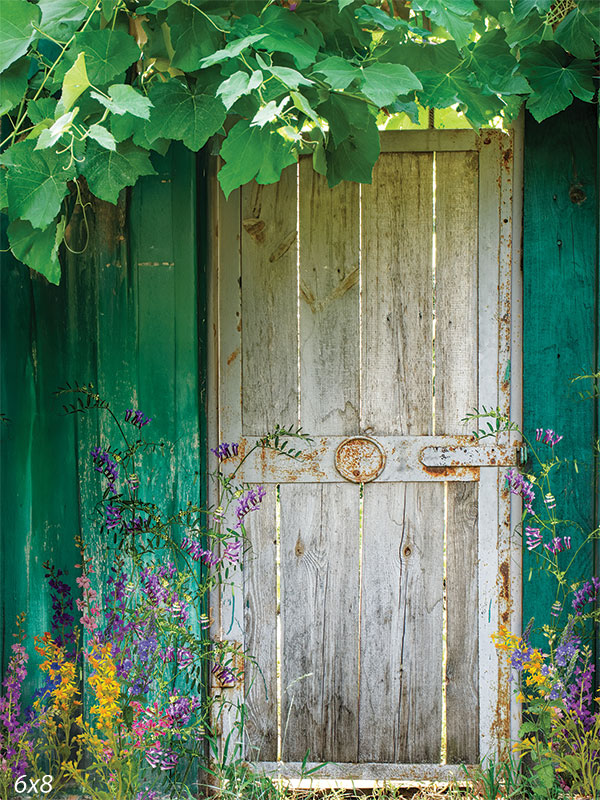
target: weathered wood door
<point>380,311</point>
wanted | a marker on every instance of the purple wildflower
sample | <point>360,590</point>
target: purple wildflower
<point>113,517</point>
<point>14,743</point>
<point>518,485</point>
<point>198,553</point>
<point>223,674</point>
<point>534,537</point>
<point>550,500</point>
<point>249,502</point>
<point>567,648</point>
<point>519,656</point>
<point>587,594</point>
<point>547,436</point>
<point>223,452</point>
<point>184,658</point>
<point>137,418</point>
<point>558,544</point>
<point>579,699</point>
<point>232,552</point>
<point>104,464</point>
<point>181,709</point>
<point>62,608</point>
<point>556,609</point>
<point>147,794</point>
<point>163,758</point>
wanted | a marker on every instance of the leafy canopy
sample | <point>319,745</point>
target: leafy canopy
<point>91,87</point>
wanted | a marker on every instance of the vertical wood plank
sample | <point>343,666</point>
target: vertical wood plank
<point>462,666</point>
<point>401,623</point>
<point>397,231</point>
<point>269,305</point>
<point>560,271</point>
<point>329,304</point>
<point>320,605</point>
<point>456,289</point>
<point>260,607</point>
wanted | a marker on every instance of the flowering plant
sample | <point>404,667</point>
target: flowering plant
<point>133,650</point>
<point>561,731</point>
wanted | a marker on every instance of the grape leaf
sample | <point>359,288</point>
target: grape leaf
<point>189,116</point>
<point>192,35</point>
<point>302,52</point>
<point>290,77</point>
<point>3,190</point>
<point>338,72</point>
<point>17,19</point>
<point>555,79</point>
<point>61,18</point>
<point>580,29</point>
<point>103,136</point>
<point>38,249</point>
<point>344,114</point>
<point>50,136</point>
<point>13,85</point>
<point>37,182</point>
<point>354,158</point>
<point>233,88</point>
<point>523,8</point>
<point>375,16</point>
<point>107,53</point>
<point>75,83</point>
<point>383,83</point>
<point>494,65</point>
<point>124,99</point>
<point>107,171</point>
<point>529,30</point>
<point>253,152</point>
<point>269,112</point>
<point>453,15</point>
<point>231,50</point>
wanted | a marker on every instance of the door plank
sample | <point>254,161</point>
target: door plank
<point>260,609</point>
<point>397,231</point>
<point>269,305</point>
<point>456,290</point>
<point>329,304</point>
<point>401,623</point>
<point>462,666</point>
<point>319,627</point>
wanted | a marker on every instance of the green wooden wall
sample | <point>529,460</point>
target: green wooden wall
<point>560,271</point>
<point>127,317</point>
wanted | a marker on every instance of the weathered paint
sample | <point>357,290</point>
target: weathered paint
<point>560,265</point>
<point>126,318</point>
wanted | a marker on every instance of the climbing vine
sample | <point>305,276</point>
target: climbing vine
<point>89,88</point>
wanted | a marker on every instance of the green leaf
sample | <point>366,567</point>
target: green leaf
<point>369,15</point>
<point>383,83</point>
<point>37,182</point>
<point>302,104</point>
<point>17,19</point>
<point>290,77</point>
<point>453,15</point>
<point>103,136</point>
<point>50,136</point>
<point>38,249</point>
<point>124,99</point>
<point>344,114</point>
<point>13,85</point>
<point>530,30</point>
<point>354,158</point>
<point>3,189</point>
<point>38,110</point>
<point>338,72</point>
<point>61,18</point>
<point>189,116</point>
<point>233,88</point>
<point>107,171</point>
<point>580,29</point>
<point>269,112</point>
<point>107,53</point>
<point>555,79</point>
<point>494,65</point>
<point>192,35</point>
<point>524,7</point>
<point>75,83</point>
<point>343,3</point>
<point>255,152</point>
<point>232,50</point>
<point>302,52</point>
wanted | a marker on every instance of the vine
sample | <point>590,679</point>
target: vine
<point>90,88</point>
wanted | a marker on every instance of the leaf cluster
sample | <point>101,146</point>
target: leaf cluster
<point>90,88</point>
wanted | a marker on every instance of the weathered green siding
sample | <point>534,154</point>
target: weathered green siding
<point>126,318</point>
<point>560,265</point>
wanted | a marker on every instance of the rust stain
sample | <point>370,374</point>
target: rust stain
<point>472,473</point>
<point>507,159</point>
<point>360,459</point>
<point>255,228</point>
<point>233,356</point>
<point>283,247</point>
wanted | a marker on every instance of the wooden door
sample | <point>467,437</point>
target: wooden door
<point>380,311</point>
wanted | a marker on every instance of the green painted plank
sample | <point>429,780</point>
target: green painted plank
<point>560,266</point>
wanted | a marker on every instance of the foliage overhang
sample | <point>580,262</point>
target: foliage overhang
<point>89,88</point>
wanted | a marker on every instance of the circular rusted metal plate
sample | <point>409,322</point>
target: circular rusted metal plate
<point>360,459</point>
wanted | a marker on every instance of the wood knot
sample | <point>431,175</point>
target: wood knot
<point>299,548</point>
<point>256,228</point>
<point>576,194</point>
<point>407,551</point>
